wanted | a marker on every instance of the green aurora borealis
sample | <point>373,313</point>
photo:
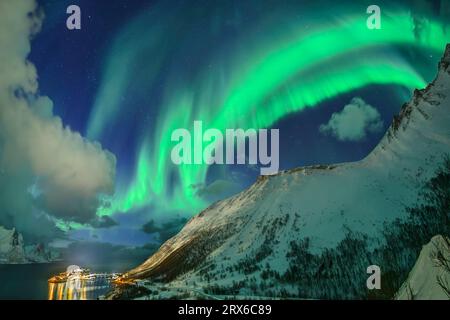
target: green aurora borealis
<point>247,80</point>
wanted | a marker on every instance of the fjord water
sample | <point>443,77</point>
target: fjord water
<point>30,282</point>
<point>77,289</point>
<point>27,281</point>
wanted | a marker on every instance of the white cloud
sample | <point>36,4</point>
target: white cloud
<point>354,122</point>
<point>35,146</point>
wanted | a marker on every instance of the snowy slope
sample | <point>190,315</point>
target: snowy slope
<point>38,253</point>
<point>281,232</point>
<point>13,250</point>
<point>11,246</point>
<point>430,277</point>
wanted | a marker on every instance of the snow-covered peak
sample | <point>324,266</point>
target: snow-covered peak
<point>430,277</point>
<point>13,250</point>
<point>11,246</point>
<point>421,128</point>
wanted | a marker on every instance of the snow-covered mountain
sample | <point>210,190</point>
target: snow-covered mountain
<point>13,250</point>
<point>430,277</point>
<point>311,232</point>
<point>39,253</point>
<point>11,246</point>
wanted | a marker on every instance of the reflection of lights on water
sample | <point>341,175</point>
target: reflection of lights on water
<point>51,290</point>
<point>60,292</point>
<point>79,284</point>
<point>78,289</point>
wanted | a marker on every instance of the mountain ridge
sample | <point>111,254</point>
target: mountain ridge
<point>14,251</point>
<point>262,235</point>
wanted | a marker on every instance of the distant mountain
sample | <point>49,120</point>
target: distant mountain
<point>311,232</point>
<point>13,250</point>
<point>11,246</point>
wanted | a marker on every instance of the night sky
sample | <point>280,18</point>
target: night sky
<point>139,69</point>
